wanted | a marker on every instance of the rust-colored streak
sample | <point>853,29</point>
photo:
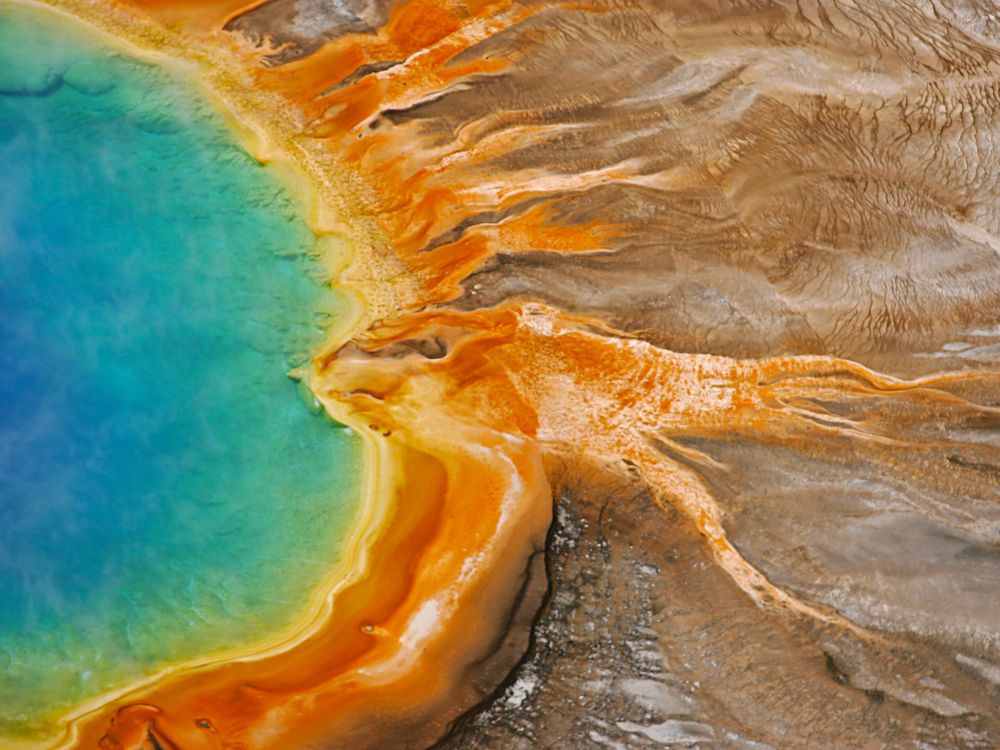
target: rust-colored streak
<point>461,500</point>
<point>381,644</point>
<point>193,15</point>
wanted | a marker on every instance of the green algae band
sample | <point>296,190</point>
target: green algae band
<point>165,494</point>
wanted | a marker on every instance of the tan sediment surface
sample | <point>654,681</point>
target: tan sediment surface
<point>671,244</point>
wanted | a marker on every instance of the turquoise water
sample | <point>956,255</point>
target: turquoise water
<point>165,490</point>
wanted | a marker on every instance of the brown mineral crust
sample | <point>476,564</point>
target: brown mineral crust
<point>644,644</point>
<point>666,240</point>
<point>295,28</point>
<point>749,179</point>
<point>788,177</point>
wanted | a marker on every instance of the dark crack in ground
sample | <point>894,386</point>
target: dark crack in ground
<point>645,643</point>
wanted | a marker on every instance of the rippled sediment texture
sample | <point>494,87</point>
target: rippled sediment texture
<point>739,257</point>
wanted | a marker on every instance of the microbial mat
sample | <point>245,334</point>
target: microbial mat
<point>166,491</point>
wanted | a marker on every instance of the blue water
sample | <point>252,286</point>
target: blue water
<point>165,489</point>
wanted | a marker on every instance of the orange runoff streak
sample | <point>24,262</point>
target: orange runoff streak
<point>467,500</point>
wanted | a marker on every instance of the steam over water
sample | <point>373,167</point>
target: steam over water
<point>719,279</point>
<point>165,492</point>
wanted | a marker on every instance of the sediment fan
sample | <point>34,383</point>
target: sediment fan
<point>735,260</point>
